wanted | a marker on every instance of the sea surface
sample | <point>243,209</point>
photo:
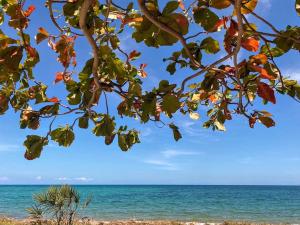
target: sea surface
<point>186,203</point>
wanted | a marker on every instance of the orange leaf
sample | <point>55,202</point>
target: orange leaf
<point>59,77</point>
<point>43,31</point>
<point>259,59</point>
<point>263,73</point>
<point>213,98</point>
<point>250,44</point>
<point>30,9</point>
<point>266,92</point>
<point>130,21</point>
<point>181,5</point>
<point>54,100</point>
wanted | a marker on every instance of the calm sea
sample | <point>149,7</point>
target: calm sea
<point>187,203</point>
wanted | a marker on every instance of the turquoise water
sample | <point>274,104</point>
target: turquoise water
<point>198,203</point>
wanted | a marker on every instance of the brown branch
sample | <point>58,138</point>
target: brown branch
<point>82,23</point>
<point>203,71</point>
<point>169,30</point>
<point>271,26</point>
<point>52,16</point>
<point>237,6</point>
<point>54,20</point>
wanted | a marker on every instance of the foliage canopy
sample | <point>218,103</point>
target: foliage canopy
<point>225,89</point>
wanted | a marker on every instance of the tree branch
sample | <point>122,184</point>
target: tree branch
<point>82,23</point>
<point>237,6</point>
<point>169,30</point>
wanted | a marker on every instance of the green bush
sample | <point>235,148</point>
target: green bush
<point>61,204</point>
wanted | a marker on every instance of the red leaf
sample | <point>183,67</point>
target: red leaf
<point>59,77</point>
<point>54,100</point>
<point>30,9</point>
<point>233,29</point>
<point>133,55</point>
<point>250,44</point>
<point>221,23</point>
<point>266,92</point>
<point>31,51</point>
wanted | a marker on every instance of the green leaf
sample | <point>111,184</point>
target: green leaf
<point>206,18</point>
<point>210,45</point>
<point>83,122</point>
<point>127,140</point>
<point>64,136</point>
<point>176,133</point>
<point>34,145</point>
<point>105,127</point>
<point>171,68</point>
<point>275,52</point>
<point>170,104</point>
<point>267,121</point>
<point>170,7</point>
<point>11,57</point>
<point>74,98</point>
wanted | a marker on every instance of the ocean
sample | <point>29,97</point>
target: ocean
<point>186,203</point>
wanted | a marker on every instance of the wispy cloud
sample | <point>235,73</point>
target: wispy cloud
<point>189,129</point>
<point>293,74</point>
<point>3,179</point>
<point>165,163</point>
<point>173,153</point>
<point>146,132</point>
<point>83,179</point>
<point>80,179</point>
<point>162,164</point>
<point>266,4</point>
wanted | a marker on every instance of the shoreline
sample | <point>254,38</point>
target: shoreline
<point>27,221</point>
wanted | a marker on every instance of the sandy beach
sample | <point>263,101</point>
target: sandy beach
<point>12,221</point>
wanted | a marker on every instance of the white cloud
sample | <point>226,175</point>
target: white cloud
<point>39,178</point>
<point>189,129</point>
<point>292,74</point>
<point>162,164</point>
<point>2,179</point>
<point>173,153</point>
<point>146,132</point>
<point>8,147</point>
<point>80,179</point>
<point>83,179</point>
<point>63,178</point>
<point>266,4</point>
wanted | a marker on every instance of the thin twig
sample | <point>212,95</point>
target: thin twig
<point>169,30</point>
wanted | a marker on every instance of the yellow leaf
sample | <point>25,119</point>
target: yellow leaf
<point>194,116</point>
<point>219,126</point>
<point>248,6</point>
<point>220,4</point>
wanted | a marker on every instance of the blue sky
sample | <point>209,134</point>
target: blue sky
<point>238,156</point>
